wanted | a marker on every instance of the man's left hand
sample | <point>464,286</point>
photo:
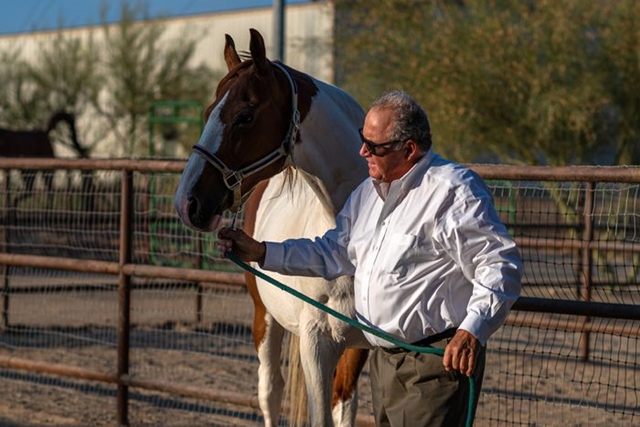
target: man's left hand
<point>461,353</point>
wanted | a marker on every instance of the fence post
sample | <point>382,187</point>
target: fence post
<point>124,295</point>
<point>6,208</point>
<point>587,264</point>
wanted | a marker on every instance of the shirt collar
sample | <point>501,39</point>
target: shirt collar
<point>408,179</point>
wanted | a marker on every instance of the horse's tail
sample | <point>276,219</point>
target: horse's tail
<point>70,119</point>
<point>295,392</point>
<point>61,116</point>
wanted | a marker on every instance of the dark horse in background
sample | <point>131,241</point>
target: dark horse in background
<point>34,143</point>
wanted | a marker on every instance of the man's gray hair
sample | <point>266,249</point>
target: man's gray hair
<point>410,120</point>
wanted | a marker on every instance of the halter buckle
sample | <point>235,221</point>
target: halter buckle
<point>236,176</point>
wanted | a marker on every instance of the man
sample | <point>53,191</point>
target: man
<point>432,265</point>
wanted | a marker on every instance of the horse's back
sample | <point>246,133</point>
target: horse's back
<point>25,144</point>
<point>342,105</point>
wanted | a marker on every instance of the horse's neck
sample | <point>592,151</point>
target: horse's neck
<point>330,145</point>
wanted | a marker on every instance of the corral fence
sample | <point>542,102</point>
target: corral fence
<point>112,310</point>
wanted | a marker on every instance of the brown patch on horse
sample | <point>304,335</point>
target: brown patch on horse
<point>348,370</point>
<point>306,88</point>
<point>223,85</point>
<point>250,211</point>
<point>236,67</point>
<point>306,91</point>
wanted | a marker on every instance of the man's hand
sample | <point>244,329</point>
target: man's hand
<point>237,241</point>
<point>461,353</point>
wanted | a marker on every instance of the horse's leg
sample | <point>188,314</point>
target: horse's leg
<point>270,379</point>
<point>28,177</point>
<point>319,356</point>
<point>47,177</point>
<point>267,333</point>
<point>267,338</point>
<point>345,386</point>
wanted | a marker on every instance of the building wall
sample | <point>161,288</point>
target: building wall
<point>308,35</point>
<point>308,43</point>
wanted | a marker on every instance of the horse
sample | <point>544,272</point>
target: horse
<point>285,145</point>
<point>33,143</point>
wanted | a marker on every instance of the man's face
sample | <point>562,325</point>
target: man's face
<point>391,161</point>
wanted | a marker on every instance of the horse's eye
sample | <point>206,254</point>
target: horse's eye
<point>243,118</point>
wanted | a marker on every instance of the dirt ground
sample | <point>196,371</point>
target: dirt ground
<point>27,400</point>
<point>533,377</point>
<point>167,345</point>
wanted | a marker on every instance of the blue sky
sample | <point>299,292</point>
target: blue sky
<point>19,16</point>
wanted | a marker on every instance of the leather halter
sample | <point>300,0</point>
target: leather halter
<point>233,178</point>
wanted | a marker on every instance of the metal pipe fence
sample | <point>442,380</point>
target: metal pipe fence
<point>101,283</point>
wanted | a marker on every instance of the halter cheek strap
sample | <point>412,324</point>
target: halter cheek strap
<point>233,178</point>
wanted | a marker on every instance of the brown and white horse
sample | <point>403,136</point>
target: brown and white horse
<point>270,122</point>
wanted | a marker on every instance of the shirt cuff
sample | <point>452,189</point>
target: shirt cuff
<point>273,256</point>
<point>477,326</point>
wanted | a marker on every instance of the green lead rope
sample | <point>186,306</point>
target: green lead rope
<point>356,324</point>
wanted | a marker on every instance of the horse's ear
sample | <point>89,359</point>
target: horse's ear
<point>258,54</point>
<point>230,54</point>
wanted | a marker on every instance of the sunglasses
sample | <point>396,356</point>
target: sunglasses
<point>378,149</point>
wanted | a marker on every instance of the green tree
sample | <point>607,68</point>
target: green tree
<point>620,63</point>
<point>533,82</point>
<point>143,66</point>
<point>108,80</point>
<point>23,104</point>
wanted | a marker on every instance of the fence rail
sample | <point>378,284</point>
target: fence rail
<point>578,229</point>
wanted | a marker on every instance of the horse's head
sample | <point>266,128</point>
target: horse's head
<point>250,128</point>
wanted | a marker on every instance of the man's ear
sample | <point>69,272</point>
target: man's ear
<point>411,151</point>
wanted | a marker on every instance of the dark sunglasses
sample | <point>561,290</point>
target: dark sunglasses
<point>378,149</point>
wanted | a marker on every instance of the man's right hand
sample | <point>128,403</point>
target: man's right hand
<point>243,246</point>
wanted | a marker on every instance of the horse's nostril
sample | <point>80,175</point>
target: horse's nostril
<point>192,207</point>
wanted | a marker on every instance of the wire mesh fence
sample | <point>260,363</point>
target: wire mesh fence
<point>190,358</point>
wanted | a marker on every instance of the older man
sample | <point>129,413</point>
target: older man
<point>433,266</point>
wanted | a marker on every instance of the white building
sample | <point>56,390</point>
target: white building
<point>308,42</point>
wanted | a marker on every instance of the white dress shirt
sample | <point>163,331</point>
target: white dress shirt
<point>428,252</point>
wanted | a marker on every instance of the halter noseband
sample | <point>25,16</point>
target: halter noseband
<point>233,178</point>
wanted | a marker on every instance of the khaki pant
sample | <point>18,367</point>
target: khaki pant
<point>411,389</point>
